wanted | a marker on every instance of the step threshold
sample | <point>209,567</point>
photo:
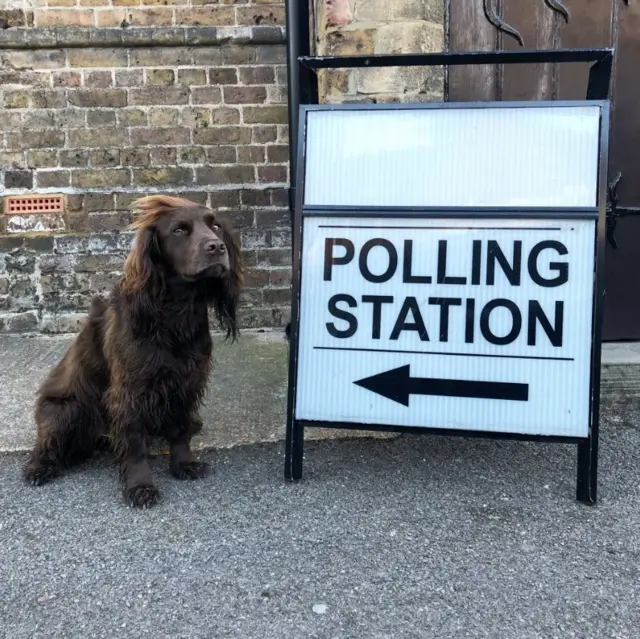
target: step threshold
<point>621,353</point>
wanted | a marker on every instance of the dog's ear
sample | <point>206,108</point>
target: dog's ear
<point>227,297</point>
<point>236,265</point>
<point>140,266</point>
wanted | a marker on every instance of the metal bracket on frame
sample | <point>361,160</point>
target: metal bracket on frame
<point>614,211</point>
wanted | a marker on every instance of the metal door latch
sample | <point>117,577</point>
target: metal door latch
<point>614,211</point>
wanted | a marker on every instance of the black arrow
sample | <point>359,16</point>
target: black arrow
<point>397,385</point>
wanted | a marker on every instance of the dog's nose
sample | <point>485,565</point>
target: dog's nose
<point>215,247</point>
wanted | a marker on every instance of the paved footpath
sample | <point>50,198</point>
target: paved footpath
<point>411,537</point>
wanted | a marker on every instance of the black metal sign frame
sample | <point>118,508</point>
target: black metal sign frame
<point>597,94</point>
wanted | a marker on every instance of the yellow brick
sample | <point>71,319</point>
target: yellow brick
<point>125,3</point>
<point>150,17</point>
<point>350,42</point>
<point>64,18</point>
<point>59,3</point>
<point>94,3</point>
<point>97,58</point>
<point>333,82</point>
<point>111,17</point>
<point>265,15</point>
<point>206,16</point>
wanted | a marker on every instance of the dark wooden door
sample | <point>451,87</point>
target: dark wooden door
<point>592,23</point>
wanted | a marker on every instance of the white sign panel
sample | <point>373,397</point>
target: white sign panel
<point>473,324</point>
<point>545,156</point>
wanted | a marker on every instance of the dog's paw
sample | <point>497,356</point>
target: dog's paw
<point>37,474</point>
<point>195,426</point>
<point>190,470</point>
<point>142,496</point>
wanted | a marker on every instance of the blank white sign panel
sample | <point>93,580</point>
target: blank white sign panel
<point>492,157</point>
<point>480,325</point>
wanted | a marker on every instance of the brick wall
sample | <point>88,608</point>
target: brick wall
<point>105,125</point>
<point>105,100</point>
<point>135,13</point>
<point>360,27</point>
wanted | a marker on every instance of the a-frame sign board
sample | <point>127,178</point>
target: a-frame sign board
<point>447,272</point>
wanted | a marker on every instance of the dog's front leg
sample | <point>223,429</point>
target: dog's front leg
<point>130,448</point>
<point>139,490</point>
<point>183,464</point>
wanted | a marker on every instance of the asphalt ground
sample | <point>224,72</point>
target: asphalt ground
<point>407,537</point>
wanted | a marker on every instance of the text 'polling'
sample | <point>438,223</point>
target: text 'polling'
<point>538,267</point>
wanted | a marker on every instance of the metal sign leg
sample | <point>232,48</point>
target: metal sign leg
<point>587,484</point>
<point>294,451</point>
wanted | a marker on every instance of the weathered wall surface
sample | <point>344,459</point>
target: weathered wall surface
<point>105,125</point>
<point>106,100</point>
<point>136,13</point>
<point>361,27</point>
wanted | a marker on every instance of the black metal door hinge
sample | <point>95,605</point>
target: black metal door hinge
<point>614,211</point>
<point>490,8</point>
<point>491,13</point>
<point>559,8</point>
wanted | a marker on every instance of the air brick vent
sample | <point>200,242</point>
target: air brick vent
<point>33,204</point>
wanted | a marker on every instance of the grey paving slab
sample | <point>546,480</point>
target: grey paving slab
<point>246,400</point>
<point>23,364</point>
<point>415,537</point>
<point>621,353</point>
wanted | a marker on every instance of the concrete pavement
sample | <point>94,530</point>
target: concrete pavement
<point>410,537</point>
<point>245,403</point>
<point>404,537</point>
<point>247,398</point>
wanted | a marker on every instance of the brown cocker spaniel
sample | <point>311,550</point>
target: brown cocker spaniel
<point>139,366</point>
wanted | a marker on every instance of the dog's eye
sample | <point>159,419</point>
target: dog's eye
<point>181,230</point>
<point>215,227</point>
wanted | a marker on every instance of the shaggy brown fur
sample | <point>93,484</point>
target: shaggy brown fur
<point>139,366</point>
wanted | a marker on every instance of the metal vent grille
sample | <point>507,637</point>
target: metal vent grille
<point>28,204</point>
